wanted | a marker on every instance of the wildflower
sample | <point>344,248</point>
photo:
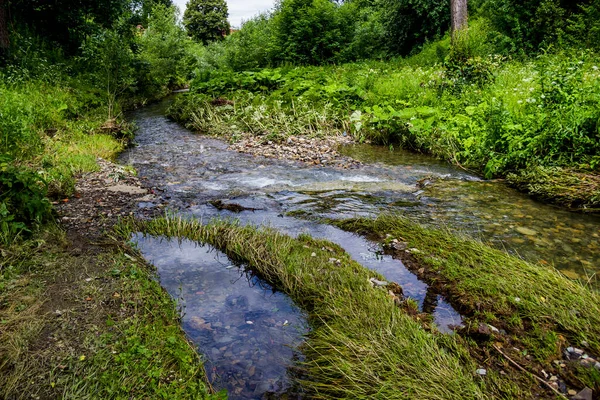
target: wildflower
<point>595,68</point>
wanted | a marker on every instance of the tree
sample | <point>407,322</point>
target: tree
<point>458,16</point>
<point>4,39</point>
<point>309,31</point>
<point>67,22</point>
<point>206,20</point>
<point>410,23</point>
<point>163,47</point>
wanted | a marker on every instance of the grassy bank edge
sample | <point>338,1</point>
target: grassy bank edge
<point>541,309</point>
<point>362,344</point>
<point>87,321</point>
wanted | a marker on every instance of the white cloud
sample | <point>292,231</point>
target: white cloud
<point>238,9</point>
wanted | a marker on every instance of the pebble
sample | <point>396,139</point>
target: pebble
<point>481,371</point>
<point>585,394</point>
<point>377,283</point>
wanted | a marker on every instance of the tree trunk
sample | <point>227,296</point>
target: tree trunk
<point>458,16</point>
<point>4,39</point>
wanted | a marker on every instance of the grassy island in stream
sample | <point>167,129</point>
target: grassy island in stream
<point>542,311</point>
<point>363,343</point>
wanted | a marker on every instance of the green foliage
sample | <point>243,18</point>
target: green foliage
<point>409,23</point>
<point>309,31</point>
<point>206,20</point>
<point>23,201</point>
<point>534,24</point>
<point>53,108</point>
<point>164,50</point>
<point>109,62</point>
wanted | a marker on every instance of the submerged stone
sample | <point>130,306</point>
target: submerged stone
<point>526,231</point>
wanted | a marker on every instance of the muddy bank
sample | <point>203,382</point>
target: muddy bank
<point>103,197</point>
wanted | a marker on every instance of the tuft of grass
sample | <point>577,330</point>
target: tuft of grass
<point>567,187</point>
<point>361,344</point>
<point>493,285</point>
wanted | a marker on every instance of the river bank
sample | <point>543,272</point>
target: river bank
<point>82,313</point>
<point>532,122</point>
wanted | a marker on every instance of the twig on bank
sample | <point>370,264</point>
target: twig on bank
<point>562,396</point>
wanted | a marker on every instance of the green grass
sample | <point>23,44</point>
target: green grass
<point>116,335</point>
<point>361,345</point>
<point>494,286</point>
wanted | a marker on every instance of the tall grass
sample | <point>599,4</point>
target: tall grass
<point>361,345</point>
<point>493,285</point>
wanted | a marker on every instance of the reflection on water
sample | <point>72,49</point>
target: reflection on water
<point>246,331</point>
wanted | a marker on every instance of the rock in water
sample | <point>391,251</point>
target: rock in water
<point>526,231</point>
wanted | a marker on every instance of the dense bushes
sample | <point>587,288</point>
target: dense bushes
<point>534,24</point>
<point>315,32</point>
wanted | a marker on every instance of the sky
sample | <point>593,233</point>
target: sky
<point>238,9</point>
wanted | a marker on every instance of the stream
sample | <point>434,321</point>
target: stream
<point>248,333</point>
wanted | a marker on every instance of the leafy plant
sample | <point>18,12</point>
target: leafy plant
<point>23,202</point>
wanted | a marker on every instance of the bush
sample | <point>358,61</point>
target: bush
<point>535,24</point>
<point>23,201</point>
<point>309,31</point>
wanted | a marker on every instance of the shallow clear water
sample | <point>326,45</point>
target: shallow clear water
<point>495,213</point>
<point>190,170</point>
<point>247,332</point>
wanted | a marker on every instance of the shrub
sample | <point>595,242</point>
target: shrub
<point>23,201</point>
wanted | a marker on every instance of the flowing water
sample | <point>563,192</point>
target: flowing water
<point>255,354</point>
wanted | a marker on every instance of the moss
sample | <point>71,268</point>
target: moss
<point>563,186</point>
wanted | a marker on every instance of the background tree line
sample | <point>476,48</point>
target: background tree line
<point>325,31</point>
